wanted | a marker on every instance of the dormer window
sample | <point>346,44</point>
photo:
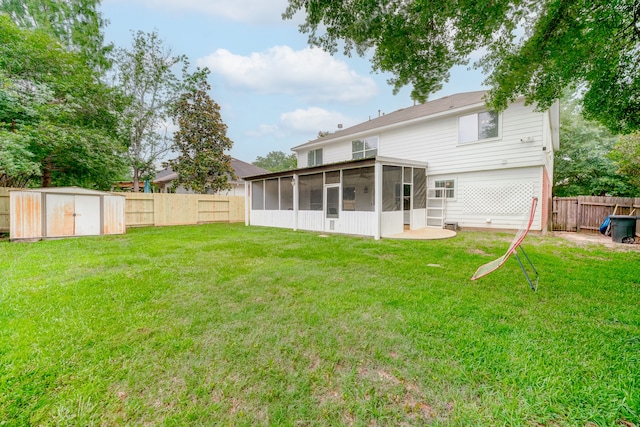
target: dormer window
<point>362,148</point>
<point>478,126</point>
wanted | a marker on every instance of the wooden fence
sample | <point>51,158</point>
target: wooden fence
<point>586,213</point>
<point>158,209</point>
<point>154,209</point>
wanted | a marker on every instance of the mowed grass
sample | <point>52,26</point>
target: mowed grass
<point>231,325</point>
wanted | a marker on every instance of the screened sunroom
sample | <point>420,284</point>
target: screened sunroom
<point>374,197</point>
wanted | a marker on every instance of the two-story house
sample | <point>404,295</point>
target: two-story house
<point>446,161</point>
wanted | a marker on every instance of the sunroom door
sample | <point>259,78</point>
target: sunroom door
<point>332,207</point>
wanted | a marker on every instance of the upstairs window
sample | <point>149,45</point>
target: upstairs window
<point>361,148</point>
<point>314,157</point>
<point>478,126</point>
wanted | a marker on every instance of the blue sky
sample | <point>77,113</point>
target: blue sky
<point>274,91</point>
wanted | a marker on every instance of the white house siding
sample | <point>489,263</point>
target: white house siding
<point>357,222</point>
<point>331,153</point>
<point>391,223</point>
<point>436,142</point>
<point>311,220</point>
<point>270,218</point>
<point>498,199</point>
<point>418,219</point>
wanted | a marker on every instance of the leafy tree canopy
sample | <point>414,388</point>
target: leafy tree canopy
<point>626,155</point>
<point>276,161</point>
<point>77,24</point>
<point>145,75</point>
<point>583,165</point>
<point>56,120</point>
<point>201,142</point>
<point>535,48</point>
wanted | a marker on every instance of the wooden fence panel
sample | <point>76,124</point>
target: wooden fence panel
<point>565,214</point>
<point>586,213</point>
<point>139,210</point>
<point>4,210</point>
<point>162,209</point>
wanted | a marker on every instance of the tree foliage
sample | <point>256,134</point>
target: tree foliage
<point>77,24</point>
<point>276,161</point>
<point>56,117</point>
<point>626,155</point>
<point>583,165</point>
<point>145,76</point>
<point>587,44</point>
<point>201,142</point>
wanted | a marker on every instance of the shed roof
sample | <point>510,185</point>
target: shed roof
<point>427,109</point>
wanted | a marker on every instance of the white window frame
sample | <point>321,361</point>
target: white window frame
<point>469,127</point>
<point>449,192</point>
<point>372,151</point>
<point>312,157</point>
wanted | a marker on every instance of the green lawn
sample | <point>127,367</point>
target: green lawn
<point>233,325</point>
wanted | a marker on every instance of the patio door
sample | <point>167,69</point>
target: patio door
<point>332,206</point>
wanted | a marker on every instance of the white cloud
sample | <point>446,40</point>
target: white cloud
<point>307,122</point>
<point>246,11</point>
<point>312,120</point>
<point>264,130</point>
<point>309,74</point>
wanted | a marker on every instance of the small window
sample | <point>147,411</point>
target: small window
<point>314,157</point>
<point>446,189</point>
<point>478,126</point>
<point>363,148</point>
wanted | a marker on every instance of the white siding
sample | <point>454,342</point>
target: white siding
<point>435,142</point>
<point>418,219</point>
<point>280,219</point>
<point>311,220</point>
<point>357,222</point>
<point>392,223</point>
<point>494,199</point>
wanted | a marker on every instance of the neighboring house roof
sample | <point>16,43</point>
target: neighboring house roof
<point>427,109</point>
<point>242,169</point>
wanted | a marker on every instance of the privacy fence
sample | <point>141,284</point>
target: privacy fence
<point>586,213</point>
<point>151,209</point>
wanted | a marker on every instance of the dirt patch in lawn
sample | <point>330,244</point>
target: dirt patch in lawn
<point>586,239</point>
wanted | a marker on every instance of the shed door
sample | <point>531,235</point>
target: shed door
<point>87,217</point>
<point>60,210</point>
<point>72,215</point>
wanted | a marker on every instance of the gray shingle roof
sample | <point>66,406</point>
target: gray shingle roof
<point>407,114</point>
<point>242,169</point>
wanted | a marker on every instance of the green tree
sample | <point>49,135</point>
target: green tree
<point>77,24</point>
<point>145,75</point>
<point>201,142</point>
<point>276,161</point>
<point>583,165</point>
<point>626,155</point>
<point>535,48</point>
<point>56,117</point>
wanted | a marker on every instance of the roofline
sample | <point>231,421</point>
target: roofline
<point>346,135</point>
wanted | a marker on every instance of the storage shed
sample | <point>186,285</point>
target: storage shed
<point>64,212</point>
